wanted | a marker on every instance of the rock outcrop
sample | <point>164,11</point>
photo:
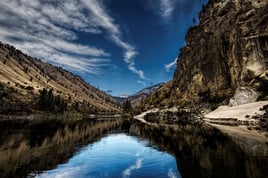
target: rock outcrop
<point>243,95</point>
<point>227,50</point>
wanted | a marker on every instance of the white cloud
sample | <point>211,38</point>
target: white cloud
<point>170,65</point>
<point>104,20</point>
<point>50,28</point>
<point>128,171</point>
<point>46,31</point>
<point>130,53</point>
<point>124,95</point>
<point>92,65</point>
<point>132,68</point>
<point>76,48</point>
<point>141,82</point>
<point>167,7</point>
<point>101,17</point>
<point>164,8</point>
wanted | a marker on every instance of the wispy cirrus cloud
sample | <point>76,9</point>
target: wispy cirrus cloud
<point>53,26</point>
<point>141,82</point>
<point>171,65</point>
<point>47,30</point>
<point>165,8</point>
<point>103,19</point>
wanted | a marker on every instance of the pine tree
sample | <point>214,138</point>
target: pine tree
<point>127,106</point>
<point>43,103</point>
<point>48,102</point>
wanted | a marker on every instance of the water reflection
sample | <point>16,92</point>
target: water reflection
<point>30,148</point>
<point>117,155</point>
<point>27,146</point>
<point>202,151</point>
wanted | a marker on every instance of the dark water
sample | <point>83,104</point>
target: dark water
<point>119,148</point>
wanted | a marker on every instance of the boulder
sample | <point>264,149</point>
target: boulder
<point>244,95</point>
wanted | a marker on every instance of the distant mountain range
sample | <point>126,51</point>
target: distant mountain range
<point>23,77</point>
<point>138,97</point>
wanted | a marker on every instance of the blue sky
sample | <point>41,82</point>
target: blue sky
<point>119,46</point>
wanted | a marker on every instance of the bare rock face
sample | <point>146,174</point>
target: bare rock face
<point>227,50</point>
<point>244,95</point>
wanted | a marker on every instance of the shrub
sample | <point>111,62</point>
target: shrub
<point>29,88</point>
<point>49,102</point>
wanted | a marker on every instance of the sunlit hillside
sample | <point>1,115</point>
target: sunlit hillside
<point>23,77</point>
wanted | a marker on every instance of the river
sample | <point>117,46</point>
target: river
<point>121,148</point>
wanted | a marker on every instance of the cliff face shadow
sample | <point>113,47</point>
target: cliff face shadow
<point>203,151</point>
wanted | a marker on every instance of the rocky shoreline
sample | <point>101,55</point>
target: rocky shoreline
<point>245,114</point>
<point>41,116</point>
<point>243,121</point>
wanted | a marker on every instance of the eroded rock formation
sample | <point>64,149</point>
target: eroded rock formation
<point>227,50</point>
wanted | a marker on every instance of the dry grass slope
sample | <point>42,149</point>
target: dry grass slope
<point>22,77</point>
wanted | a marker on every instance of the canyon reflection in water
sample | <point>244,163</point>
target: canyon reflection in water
<point>121,148</point>
<point>117,155</point>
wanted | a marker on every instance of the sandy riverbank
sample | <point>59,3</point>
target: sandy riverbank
<point>140,117</point>
<point>234,120</point>
<point>240,112</point>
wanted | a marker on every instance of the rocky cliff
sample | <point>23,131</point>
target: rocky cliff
<point>23,77</point>
<point>226,55</point>
<point>226,51</point>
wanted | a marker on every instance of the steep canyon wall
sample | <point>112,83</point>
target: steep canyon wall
<point>227,50</point>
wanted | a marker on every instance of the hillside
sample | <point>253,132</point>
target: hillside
<point>225,54</point>
<point>23,77</point>
<point>158,98</point>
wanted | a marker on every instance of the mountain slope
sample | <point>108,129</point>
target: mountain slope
<point>159,98</point>
<point>22,77</point>
<point>140,96</point>
<point>227,50</point>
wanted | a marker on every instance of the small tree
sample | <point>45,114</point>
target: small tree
<point>194,21</point>
<point>127,106</point>
<point>43,102</point>
<point>49,102</point>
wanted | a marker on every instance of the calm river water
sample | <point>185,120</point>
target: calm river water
<point>121,148</point>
